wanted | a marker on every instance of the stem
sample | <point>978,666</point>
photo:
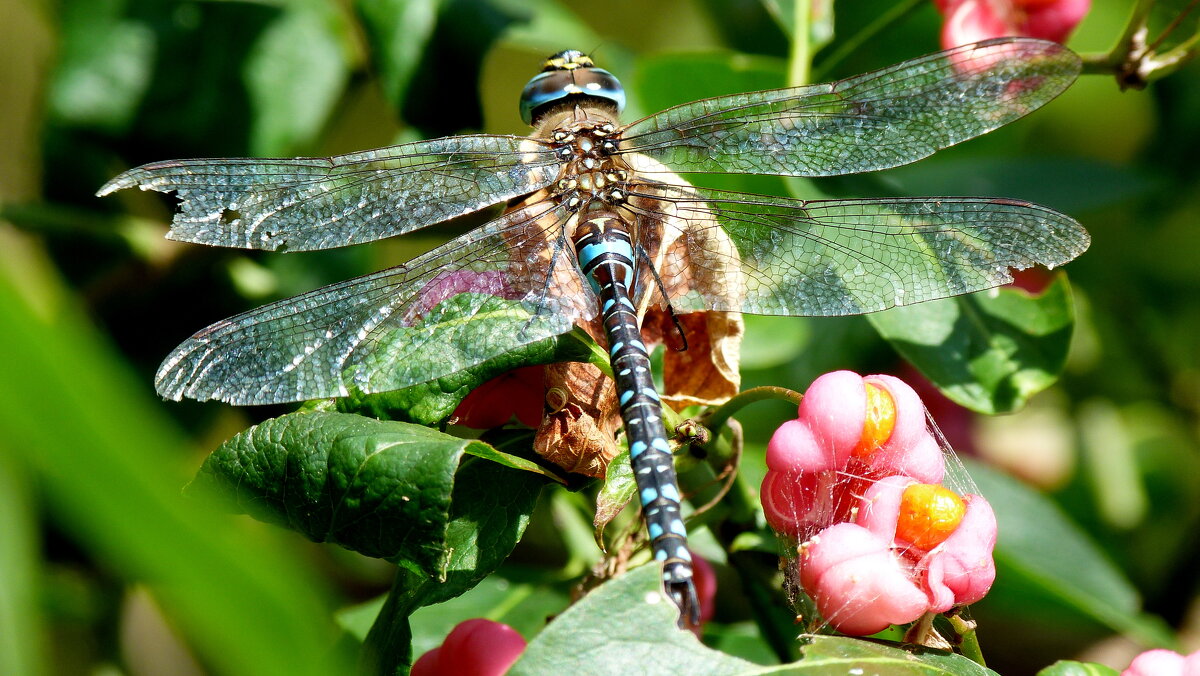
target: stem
<point>968,639</point>
<point>1172,26</point>
<point>800,58</point>
<point>1121,50</point>
<point>717,418</point>
<point>898,11</point>
<point>388,646</point>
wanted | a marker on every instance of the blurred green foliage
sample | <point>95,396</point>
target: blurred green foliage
<point>91,297</point>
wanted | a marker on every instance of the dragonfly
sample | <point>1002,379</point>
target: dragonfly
<point>600,225</point>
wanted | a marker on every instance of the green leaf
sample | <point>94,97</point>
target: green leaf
<point>104,65</point>
<point>294,75</point>
<point>501,597</point>
<point>550,26</point>
<point>989,351</point>
<point>1041,549</point>
<point>666,80</point>
<point>434,401</point>
<point>490,510</point>
<point>618,489</point>
<point>1072,668</point>
<point>819,21</point>
<point>379,488</point>
<point>110,471</point>
<point>21,641</point>
<point>398,31</point>
<point>627,625</point>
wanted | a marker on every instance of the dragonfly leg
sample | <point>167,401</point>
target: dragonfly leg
<point>644,257</point>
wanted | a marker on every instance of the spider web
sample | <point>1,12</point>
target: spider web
<point>836,498</point>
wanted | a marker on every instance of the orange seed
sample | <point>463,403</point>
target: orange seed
<point>880,420</point>
<point>928,515</point>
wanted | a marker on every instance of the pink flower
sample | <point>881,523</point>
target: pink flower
<point>867,575</point>
<point>850,430</point>
<point>970,21</point>
<point>833,430</point>
<point>855,479</point>
<point>476,647</point>
<point>1164,663</point>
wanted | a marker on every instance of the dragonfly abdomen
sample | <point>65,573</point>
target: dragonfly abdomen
<point>605,252</point>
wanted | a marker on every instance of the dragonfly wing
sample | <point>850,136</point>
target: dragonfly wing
<point>476,297</point>
<point>873,121</point>
<point>778,256</point>
<point>319,203</point>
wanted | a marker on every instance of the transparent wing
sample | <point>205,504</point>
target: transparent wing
<point>873,121</point>
<point>476,297</point>
<point>319,203</point>
<point>778,256</point>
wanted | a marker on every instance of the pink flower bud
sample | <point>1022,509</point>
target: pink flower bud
<point>799,505</point>
<point>833,420</point>
<point>863,576</point>
<point>1164,663</point>
<point>859,586</point>
<point>911,450</point>
<point>834,407</point>
<point>428,664</point>
<point>794,449</point>
<point>961,570</point>
<point>969,21</point>
<point>476,647</point>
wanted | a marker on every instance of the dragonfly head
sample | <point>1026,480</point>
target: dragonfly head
<point>566,76</point>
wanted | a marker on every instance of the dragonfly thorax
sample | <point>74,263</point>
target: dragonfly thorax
<point>592,174</point>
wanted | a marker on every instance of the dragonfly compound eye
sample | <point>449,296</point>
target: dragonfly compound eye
<point>569,75</point>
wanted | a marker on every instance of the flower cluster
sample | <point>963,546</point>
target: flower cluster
<point>855,481</point>
<point>970,21</point>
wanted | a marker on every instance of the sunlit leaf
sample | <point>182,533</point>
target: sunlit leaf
<point>1071,668</point>
<point>104,64</point>
<point>490,509</point>
<point>434,401</point>
<point>294,75</point>
<point>345,479</point>
<point>618,489</point>
<point>629,626</point>
<point>988,351</point>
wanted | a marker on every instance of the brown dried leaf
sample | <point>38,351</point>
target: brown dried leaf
<point>580,436</point>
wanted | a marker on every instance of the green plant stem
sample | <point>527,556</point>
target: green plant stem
<point>969,640</point>
<point>893,15</point>
<point>1136,24</point>
<point>1133,60</point>
<point>800,58</point>
<point>388,645</point>
<point>717,418</point>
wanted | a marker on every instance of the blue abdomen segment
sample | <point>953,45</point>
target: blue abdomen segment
<point>605,253</point>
